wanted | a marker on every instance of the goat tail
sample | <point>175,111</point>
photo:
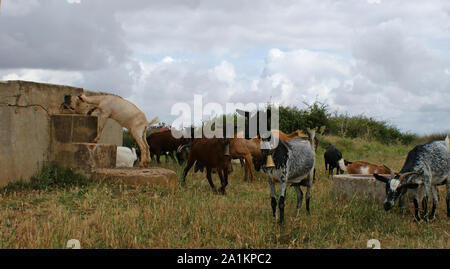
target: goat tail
<point>144,134</point>
<point>153,121</point>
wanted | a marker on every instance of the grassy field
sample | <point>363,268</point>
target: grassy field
<point>102,215</point>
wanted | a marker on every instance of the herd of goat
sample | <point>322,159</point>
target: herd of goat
<point>426,166</point>
<point>287,158</point>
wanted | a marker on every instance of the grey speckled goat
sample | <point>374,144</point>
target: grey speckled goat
<point>426,167</point>
<point>294,163</point>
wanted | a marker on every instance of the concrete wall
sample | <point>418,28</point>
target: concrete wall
<point>25,126</point>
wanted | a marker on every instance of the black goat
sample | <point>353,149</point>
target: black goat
<point>333,159</point>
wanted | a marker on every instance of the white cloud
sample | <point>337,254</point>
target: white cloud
<point>47,76</point>
<point>225,72</point>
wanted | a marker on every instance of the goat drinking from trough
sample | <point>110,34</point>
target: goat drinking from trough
<point>426,167</point>
<point>121,110</point>
<point>125,157</point>
<point>293,163</point>
<point>211,153</point>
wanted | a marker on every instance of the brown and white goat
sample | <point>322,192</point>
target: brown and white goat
<point>364,168</point>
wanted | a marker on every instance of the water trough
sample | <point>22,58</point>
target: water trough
<point>364,186</point>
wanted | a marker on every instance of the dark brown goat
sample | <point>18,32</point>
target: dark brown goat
<point>210,153</point>
<point>162,142</point>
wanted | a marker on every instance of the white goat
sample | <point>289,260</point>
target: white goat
<point>123,111</point>
<point>125,157</point>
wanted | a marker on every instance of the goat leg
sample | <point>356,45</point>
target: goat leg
<point>299,194</point>
<point>221,172</point>
<point>401,201</point>
<point>416,209</point>
<point>427,190</point>
<point>308,198</point>
<point>249,166</point>
<point>101,124</point>
<point>189,164</point>
<point>273,196</point>
<point>448,197</point>
<point>425,207</point>
<point>208,176</point>
<point>281,207</point>
<point>435,194</point>
<point>283,180</point>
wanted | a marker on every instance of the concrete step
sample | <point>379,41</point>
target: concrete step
<point>84,157</point>
<point>138,176</point>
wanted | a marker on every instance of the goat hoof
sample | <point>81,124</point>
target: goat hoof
<point>430,219</point>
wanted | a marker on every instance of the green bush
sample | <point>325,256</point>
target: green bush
<point>316,115</point>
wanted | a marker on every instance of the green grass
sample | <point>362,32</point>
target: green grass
<point>47,213</point>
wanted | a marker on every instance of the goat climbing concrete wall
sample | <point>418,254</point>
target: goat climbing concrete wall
<point>26,135</point>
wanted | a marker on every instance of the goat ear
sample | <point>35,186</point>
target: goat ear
<point>381,178</point>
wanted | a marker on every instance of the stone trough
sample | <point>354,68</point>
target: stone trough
<point>363,186</point>
<point>138,176</point>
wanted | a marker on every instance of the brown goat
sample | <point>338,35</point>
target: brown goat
<point>294,134</point>
<point>365,168</point>
<point>243,149</point>
<point>210,152</point>
<point>162,142</point>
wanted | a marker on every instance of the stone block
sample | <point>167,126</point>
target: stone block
<point>364,186</point>
<point>85,157</point>
<point>138,176</point>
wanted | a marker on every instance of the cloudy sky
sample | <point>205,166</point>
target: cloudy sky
<point>386,59</point>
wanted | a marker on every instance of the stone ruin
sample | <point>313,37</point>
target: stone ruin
<point>35,130</point>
